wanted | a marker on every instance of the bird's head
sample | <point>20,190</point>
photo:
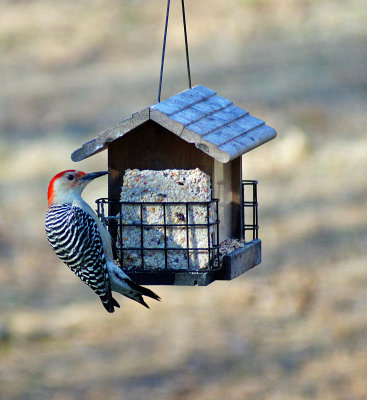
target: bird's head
<point>66,185</point>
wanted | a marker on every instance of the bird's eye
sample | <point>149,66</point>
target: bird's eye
<point>70,177</point>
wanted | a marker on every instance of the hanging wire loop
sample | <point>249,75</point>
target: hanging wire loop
<point>186,43</point>
<point>164,47</point>
<point>163,51</point>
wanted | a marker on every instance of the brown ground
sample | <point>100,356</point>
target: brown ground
<point>293,328</point>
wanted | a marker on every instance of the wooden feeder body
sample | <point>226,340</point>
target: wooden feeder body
<point>151,146</point>
<point>193,129</point>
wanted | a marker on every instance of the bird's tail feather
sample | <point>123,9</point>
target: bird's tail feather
<point>137,292</point>
<point>137,297</point>
<point>143,290</point>
<point>110,305</point>
<point>121,283</point>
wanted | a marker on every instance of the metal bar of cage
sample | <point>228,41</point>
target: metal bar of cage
<point>141,235</point>
<point>165,238</point>
<point>120,240</point>
<point>251,204</point>
<point>208,229</point>
<point>187,235</point>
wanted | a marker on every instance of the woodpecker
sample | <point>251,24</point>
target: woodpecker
<point>81,241</point>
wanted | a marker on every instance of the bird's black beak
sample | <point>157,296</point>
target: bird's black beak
<point>93,175</point>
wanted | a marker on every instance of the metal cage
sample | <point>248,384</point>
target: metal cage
<point>146,251</point>
<point>142,237</point>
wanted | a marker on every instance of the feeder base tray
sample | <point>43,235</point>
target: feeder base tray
<point>233,265</point>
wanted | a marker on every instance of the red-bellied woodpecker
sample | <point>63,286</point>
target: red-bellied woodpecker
<point>82,242</point>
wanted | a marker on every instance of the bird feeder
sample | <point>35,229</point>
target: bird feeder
<point>193,132</point>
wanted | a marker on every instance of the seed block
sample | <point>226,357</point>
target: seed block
<point>163,232</point>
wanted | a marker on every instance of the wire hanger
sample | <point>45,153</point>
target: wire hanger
<point>164,47</point>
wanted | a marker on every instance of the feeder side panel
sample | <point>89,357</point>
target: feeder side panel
<point>222,190</point>
<point>236,179</point>
<point>227,188</point>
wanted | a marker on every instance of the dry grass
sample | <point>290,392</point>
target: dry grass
<point>294,327</point>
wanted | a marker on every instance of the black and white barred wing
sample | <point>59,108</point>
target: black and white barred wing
<point>74,236</point>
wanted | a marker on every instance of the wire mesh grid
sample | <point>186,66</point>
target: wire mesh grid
<point>250,224</point>
<point>163,235</point>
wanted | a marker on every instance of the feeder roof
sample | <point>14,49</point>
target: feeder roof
<point>198,115</point>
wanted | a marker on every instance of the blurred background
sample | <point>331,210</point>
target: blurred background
<point>294,327</point>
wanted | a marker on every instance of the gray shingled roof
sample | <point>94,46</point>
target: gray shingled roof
<point>198,115</point>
